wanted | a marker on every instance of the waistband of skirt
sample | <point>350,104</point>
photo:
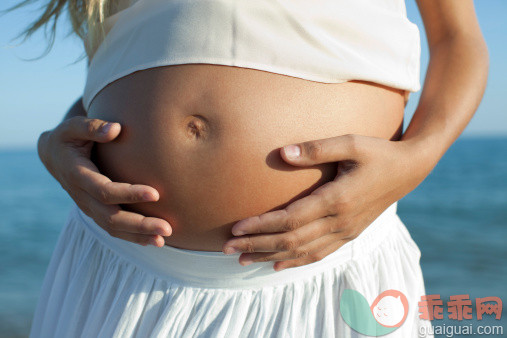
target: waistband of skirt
<point>214,269</point>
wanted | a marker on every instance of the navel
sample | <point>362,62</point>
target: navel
<point>197,126</point>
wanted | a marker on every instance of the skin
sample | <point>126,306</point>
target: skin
<point>208,138</point>
<point>373,172</point>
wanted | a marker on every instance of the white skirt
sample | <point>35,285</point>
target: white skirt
<point>100,286</point>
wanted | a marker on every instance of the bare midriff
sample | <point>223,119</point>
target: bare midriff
<point>208,138</point>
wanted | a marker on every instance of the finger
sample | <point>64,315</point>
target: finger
<point>321,252</point>
<point>138,238</point>
<point>283,241</point>
<point>143,240</point>
<point>88,178</point>
<point>295,215</point>
<point>333,149</point>
<point>114,219</point>
<point>305,254</point>
<point>83,128</point>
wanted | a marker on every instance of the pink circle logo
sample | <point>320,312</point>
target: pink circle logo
<point>390,308</point>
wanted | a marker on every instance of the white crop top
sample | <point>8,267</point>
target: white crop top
<point>330,41</point>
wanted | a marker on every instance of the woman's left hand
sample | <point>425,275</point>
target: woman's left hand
<point>372,174</point>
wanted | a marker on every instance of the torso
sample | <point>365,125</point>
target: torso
<point>208,138</point>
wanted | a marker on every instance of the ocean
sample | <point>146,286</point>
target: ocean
<point>457,216</point>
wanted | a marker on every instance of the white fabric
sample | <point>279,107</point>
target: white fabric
<point>331,41</point>
<point>100,286</point>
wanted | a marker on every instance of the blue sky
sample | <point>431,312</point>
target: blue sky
<point>34,95</point>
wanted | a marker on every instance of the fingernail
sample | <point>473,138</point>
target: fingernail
<point>247,261</point>
<point>164,231</point>
<point>293,151</point>
<point>153,242</point>
<point>149,197</point>
<point>277,268</point>
<point>105,128</point>
<point>238,232</point>
<point>230,250</point>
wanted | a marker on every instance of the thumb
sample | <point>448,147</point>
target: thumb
<point>86,129</point>
<point>333,149</point>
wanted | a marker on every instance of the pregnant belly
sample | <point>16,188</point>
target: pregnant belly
<point>208,138</point>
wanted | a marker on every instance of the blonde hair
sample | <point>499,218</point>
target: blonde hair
<point>86,18</point>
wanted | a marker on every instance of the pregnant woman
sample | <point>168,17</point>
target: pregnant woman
<point>258,147</point>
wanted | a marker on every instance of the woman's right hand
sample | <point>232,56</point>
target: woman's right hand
<point>65,151</point>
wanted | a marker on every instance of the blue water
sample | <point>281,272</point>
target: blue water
<point>457,216</point>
